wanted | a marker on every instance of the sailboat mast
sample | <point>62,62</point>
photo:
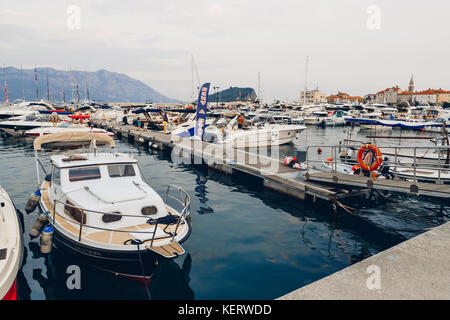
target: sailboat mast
<point>21,80</point>
<point>71,83</point>
<point>306,80</point>
<point>192,77</point>
<point>6,87</point>
<point>63,93</point>
<point>48,89</point>
<point>86,89</point>
<point>259,88</point>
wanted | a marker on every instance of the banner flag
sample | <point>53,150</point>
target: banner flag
<point>201,110</point>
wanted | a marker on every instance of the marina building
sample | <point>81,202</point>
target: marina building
<point>342,97</point>
<point>388,95</point>
<point>312,97</point>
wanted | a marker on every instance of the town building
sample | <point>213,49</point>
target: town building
<point>388,95</point>
<point>312,97</point>
<point>345,98</point>
<point>432,96</point>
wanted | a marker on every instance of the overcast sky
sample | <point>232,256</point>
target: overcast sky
<point>355,46</point>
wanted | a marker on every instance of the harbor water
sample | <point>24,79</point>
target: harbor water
<point>247,242</point>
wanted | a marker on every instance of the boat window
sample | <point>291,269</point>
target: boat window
<point>149,211</point>
<point>76,213</point>
<point>111,217</point>
<point>85,173</point>
<point>121,170</point>
<point>56,176</point>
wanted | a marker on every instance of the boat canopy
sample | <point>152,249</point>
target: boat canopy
<point>72,136</point>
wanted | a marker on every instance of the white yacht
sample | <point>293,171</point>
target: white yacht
<point>259,132</point>
<point>316,117</point>
<point>102,209</point>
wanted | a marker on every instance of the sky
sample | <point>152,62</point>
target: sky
<point>354,46</point>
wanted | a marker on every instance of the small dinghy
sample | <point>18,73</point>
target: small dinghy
<point>101,208</point>
<point>11,247</point>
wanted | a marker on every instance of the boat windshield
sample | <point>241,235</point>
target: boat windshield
<point>121,170</point>
<point>84,173</point>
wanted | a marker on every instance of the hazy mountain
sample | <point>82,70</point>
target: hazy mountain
<point>102,85</point>
<point>233,94</point>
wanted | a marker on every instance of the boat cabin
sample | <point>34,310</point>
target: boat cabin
<point>104,183</point>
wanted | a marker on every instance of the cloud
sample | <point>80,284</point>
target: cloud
<point>215,9</point>
<point>234,40</point>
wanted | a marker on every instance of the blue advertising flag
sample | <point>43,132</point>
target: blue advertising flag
<point>201,110</point>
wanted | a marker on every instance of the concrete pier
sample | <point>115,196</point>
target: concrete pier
<point>418,268</point>
<point>272,172</point>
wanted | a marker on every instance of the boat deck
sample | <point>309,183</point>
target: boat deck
<point>106,236</point>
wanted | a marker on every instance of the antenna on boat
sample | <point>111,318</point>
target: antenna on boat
<point>93,145</point>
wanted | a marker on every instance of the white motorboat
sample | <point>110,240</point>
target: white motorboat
<point>316,117</point>
<point>255,135</point>
<point>336,119</point>
<point>11,247</point>
<point>102,209</point>
<point>23,109</point>
<point>17,126</point>
<point>65,127</point>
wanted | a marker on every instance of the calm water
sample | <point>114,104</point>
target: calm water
<point>247,242</point>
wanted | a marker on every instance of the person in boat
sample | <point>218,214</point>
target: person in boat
<point>241,121</point>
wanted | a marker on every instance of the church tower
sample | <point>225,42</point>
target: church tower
<point>411,84</point>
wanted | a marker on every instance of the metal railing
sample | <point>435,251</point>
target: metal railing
<point>184,201</point>
<point>416,163</point>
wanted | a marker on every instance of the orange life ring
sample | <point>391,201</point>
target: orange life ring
<point>363,153</point>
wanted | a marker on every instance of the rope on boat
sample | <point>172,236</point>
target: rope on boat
<point>168,220</point>
<point>138,242</point>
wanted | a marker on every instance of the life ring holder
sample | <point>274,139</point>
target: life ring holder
<point>377,153</point>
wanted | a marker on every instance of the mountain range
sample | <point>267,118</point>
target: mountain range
<point>233,94</point>
<point>101,85</point>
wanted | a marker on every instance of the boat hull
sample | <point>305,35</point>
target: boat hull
<point>123,262</point>
<point>13,230</point>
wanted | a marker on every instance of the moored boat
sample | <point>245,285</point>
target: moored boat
<point>101,208</point>
<point>11,247</point>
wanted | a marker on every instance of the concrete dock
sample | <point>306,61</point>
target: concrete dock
<point>272,172</point>
<point>418,268</point>
<point>407,187</point>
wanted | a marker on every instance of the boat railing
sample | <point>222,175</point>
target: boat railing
<point>181,199</point>
<point>184,201</point>
<point>439,164</point>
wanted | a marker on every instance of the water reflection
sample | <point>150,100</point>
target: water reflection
<point>170,282</point>
<point>166,281</point>
<point>201,193</point>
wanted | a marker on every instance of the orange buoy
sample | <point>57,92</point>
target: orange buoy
<point>330,159</point>
<point>369,157</point>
